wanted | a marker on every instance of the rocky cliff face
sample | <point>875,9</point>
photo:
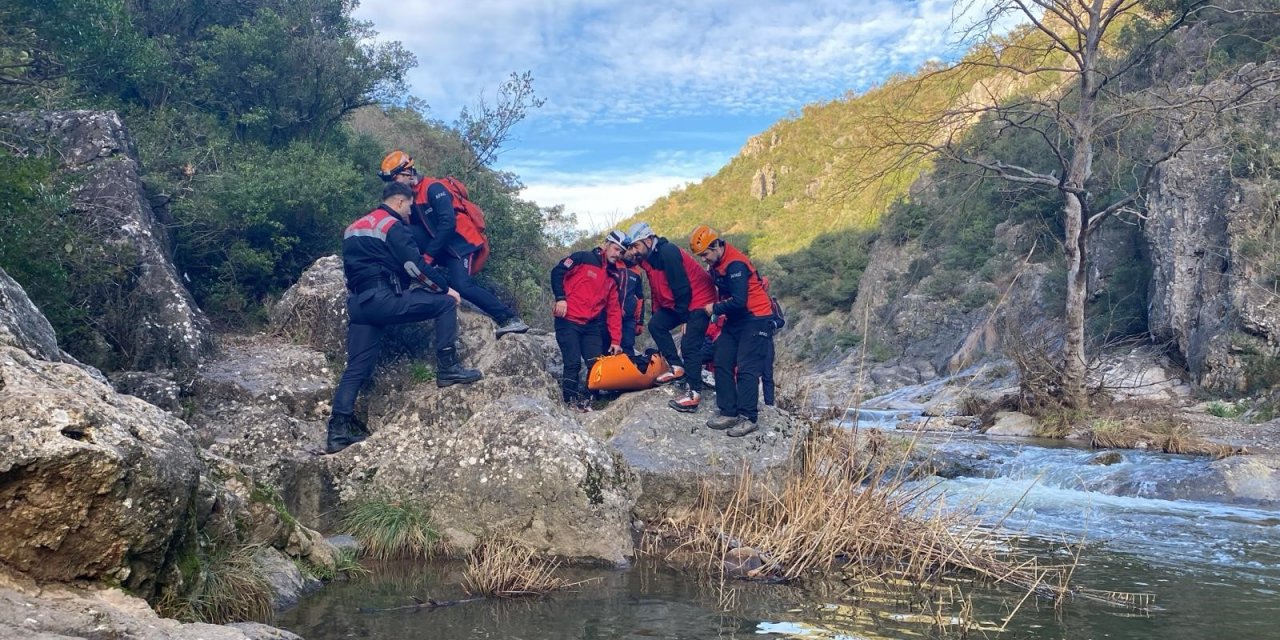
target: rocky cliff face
<point>1213,228</point>
<point>102,488</point>
<point>150,321</point>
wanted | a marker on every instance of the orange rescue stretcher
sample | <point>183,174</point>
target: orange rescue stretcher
<point>623,372</point>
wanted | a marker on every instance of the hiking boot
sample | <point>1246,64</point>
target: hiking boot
<point>450,372</point>
<point>687,403</point>
<point>720,423</point>
<point>743,427</point>
<point>675,373</point>
<point>343,432</point>
<point>513,325</point>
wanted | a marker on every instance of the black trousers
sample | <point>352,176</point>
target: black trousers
<point>663,322</point>
<point>459,272</point>
<point>578,343</point>
<point>741,352</point>
<point>370,313</point>
<point>766,377</point>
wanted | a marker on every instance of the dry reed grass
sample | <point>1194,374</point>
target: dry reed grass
<point>843,510</point>
<point>1153,429</point>
<point>503,568</point>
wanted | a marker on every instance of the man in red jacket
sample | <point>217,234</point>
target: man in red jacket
<point>680,289</point>
<point>585,292</point>
<point>745,341</point>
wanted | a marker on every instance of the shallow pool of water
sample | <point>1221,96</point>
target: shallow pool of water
<point>1213,570</point>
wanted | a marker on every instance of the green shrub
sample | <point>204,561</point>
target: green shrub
<point>83,286</point>
<point>1223,410</point>
<point>824,277</point>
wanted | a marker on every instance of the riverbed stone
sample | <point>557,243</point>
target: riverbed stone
<point>1250,479</point>
<point>676,455</point>
<point>28,610</point>
<point>1013,423</point>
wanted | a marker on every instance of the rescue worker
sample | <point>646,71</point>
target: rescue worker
<point>744,342</point>
<point>380,262</point>
<point>586,298</point>
<point>433,227</point>
<point>630,297</point>
<point>680,290</point>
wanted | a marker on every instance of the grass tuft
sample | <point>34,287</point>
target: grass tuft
<point>503,568</point>
<point>391,528</point>
<point>225,585</point>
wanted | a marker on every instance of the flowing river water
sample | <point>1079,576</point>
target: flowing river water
<point>1213,570</point>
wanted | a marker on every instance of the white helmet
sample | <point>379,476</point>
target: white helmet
<point>639,231</point>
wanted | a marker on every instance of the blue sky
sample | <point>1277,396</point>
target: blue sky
<point>643,97</point>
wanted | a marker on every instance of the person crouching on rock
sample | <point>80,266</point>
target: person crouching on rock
<point>381,264</point>
<point>744,342</point>
<point>586,296</point>
<point>680,289</point>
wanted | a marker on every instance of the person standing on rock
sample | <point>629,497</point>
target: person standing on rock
<point>382,265</point>
<point>745,340</point>
<point>435,228</point>
<point>680,290</point>
<point>585,291</point>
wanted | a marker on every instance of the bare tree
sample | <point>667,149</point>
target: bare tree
<point>1073,77</point>
<point>486,127</point>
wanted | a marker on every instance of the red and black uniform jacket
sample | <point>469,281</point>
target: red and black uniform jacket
<point>435,222</point>
<point>378,250</point>
<point>583,280</point>
<point>742,295</point>
<point>630,290</point>
<point>676,281</point>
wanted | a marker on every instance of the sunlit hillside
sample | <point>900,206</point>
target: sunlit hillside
<point>820,171</point>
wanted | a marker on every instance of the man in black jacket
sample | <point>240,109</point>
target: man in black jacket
<point>381,262</point>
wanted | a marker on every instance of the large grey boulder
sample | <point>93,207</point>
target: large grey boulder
<point>152,322</point>
<point>263,403</point>
<point>93,484</point>
<point>102,487</point>
<point>22,325</point>
<point>498,457</point>
<point>677,457</point>
<point>1211,227</point>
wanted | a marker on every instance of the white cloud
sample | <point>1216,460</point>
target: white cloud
<point>611,60</point>
<point>603,196</point>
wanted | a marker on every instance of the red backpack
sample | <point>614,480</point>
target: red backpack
<point>470,221</point>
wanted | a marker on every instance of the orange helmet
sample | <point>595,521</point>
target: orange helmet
<point>702,238</point>
<point>395,163</point>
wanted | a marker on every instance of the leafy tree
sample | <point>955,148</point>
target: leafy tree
<point>295,70</point>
